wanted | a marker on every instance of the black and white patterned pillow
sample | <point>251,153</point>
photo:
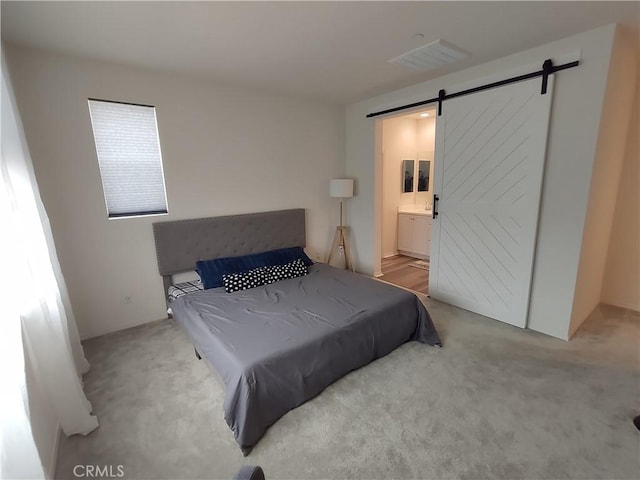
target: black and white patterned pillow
<point>298,268</point>
<point>179,289</point>
<point>294,269</point>
<point>234,282</point>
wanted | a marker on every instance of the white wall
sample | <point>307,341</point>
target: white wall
<point>226,150</point>
<point>621,286</point>
<point>425,140</point>
<point>398,144</point>
<point>570,154</point>
<point>403,138</point>
<point>603,192</point>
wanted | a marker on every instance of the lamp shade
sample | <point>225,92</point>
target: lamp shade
<point>341,187</point>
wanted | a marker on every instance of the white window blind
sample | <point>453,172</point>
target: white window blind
<point>128,150</point>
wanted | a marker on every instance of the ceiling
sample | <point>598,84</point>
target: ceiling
<point>331,51</point>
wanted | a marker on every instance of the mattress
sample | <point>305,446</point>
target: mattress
<point>278,345</point>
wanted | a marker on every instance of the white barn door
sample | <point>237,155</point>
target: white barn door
<point>489,162</point>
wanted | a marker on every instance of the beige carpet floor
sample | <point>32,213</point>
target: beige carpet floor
<point>495,403</point>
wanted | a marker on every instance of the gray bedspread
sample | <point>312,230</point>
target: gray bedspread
<point>278,345</point>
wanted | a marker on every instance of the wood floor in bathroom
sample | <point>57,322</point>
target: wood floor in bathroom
<point>398,270</point>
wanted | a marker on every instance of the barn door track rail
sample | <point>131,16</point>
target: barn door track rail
<point>548,68</point>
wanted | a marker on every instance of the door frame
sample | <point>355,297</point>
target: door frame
<point>379,179</point>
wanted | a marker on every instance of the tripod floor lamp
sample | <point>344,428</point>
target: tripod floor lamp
<point>341,188</point>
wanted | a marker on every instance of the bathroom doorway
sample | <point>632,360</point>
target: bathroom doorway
<point>408,144</point>
<point>407,272</point>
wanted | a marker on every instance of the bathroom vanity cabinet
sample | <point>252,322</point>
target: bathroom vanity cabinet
<point>414,233</point>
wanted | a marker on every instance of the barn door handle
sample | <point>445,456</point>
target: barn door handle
<point>435,205</point>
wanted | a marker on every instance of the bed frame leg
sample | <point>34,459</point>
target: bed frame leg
<point>197,354</point>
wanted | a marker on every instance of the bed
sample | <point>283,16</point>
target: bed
<point>277,345</point>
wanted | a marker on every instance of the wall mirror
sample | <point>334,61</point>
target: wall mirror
<point>407,175</point>
<point>423,175</point>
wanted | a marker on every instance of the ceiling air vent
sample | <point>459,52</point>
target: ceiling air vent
<point>430,56</point>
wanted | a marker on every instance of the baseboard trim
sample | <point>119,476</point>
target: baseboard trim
<point>377,274</point>
<point>634,308</point>
<point>413,255</point>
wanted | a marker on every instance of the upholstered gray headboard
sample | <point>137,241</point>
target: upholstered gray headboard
<point>180,244</point>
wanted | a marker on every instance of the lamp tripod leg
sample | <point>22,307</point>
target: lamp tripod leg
<point>345,246</point>
<point>334,245</point>
<point>340,242</point>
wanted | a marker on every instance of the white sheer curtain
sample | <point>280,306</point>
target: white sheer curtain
<point>36,320</point>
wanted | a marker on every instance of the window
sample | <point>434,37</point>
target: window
<point>128,150</point>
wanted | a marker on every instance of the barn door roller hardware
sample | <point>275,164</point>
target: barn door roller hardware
<point>548,68</point>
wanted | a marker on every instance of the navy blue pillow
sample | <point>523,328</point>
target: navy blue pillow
<point>212,271</point>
